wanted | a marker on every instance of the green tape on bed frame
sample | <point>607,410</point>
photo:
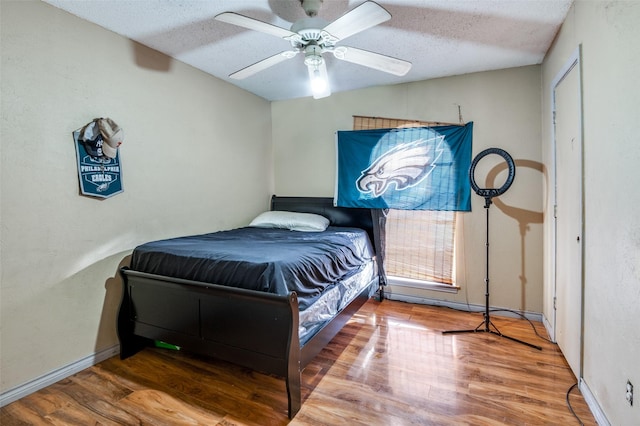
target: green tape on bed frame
<point>160,344</point>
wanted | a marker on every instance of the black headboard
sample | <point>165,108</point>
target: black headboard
<point>338,216</point>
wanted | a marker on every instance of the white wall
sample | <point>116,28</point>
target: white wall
<point>196,158</point>
<point>505,108</point>
<point>609,34</point>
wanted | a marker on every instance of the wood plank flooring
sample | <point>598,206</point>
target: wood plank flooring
<point>390,365</point>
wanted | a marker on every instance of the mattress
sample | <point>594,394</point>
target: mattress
<point>335,300</point>
<point>271,260</point>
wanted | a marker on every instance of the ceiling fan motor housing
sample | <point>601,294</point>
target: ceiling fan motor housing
<point>309,28</point>
<point>309,32</point>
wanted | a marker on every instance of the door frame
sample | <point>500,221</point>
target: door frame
<point>574,61</point>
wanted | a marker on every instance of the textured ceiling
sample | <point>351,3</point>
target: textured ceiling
<point>439,37</point>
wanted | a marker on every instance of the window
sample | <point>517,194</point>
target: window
<point>419,243</point>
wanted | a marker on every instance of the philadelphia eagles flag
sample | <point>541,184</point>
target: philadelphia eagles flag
<point>415,168</point>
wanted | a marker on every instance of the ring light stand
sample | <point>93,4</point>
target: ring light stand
<point>488,194</point>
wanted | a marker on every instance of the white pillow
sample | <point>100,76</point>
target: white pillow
<point>306,222</point>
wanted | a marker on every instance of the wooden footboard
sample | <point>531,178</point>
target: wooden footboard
<point>253,329</point>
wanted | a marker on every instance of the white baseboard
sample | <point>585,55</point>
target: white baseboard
<point>41,382</point>
<point>549,328</point>
<point>532,316</point>
<point>592,403</point>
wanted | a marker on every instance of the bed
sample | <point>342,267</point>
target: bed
<point>264,320</point>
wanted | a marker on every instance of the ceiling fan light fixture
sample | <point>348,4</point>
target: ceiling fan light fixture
<point>313,56</point>
<point>318,83</point>
<point>313,60</point>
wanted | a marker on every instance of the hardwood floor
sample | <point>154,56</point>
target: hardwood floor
<point>390,365</point>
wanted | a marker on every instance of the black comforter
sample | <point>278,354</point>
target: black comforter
<point>271,260</point>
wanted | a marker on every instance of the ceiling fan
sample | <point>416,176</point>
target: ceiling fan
<point>312,36</point>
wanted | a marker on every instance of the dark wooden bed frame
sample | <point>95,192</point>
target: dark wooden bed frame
<point>254,329</point>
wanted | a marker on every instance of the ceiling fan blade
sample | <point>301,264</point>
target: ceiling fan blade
<point>365,16</point>
<point>372,60</point>
<point>253,24</point>
<point>319,73</point>
<point>263,64</point>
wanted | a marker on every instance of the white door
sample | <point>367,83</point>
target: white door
<point>569,217</point>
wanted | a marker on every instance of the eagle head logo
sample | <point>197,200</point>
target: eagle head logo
<point>403,166</point>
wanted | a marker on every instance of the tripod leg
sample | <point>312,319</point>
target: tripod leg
<point>531,345</point>
<point>498,333</point>
<point>471,330</point>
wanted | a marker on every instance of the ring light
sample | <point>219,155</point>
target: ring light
<point>492,192</point>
